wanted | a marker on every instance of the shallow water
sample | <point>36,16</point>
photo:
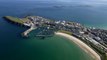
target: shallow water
<point>14,47</point>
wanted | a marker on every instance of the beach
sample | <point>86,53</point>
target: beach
<point>15,47</point>
<point>81,44</point>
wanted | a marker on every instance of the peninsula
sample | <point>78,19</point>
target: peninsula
<point>91,40</point>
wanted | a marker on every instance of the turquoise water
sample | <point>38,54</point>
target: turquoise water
<point>52,48</point>
<point>14,47</point>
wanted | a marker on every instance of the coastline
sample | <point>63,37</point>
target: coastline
<point>81,44</point>
<point>29,30</point>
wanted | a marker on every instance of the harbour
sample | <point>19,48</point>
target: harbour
<point>14,47</point>
<point>68,27</point>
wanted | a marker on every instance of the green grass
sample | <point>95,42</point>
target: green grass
<point>67,32</point>
<point>106,57</point>
<point>16,20</point>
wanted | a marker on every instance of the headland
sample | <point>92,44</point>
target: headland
<point>93,37</point>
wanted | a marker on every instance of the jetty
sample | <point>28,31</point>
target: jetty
<point>25,34</point>
<point>95,38</point>
<point>23,22</point>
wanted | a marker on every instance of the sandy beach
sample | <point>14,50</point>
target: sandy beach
<point>81,44</point>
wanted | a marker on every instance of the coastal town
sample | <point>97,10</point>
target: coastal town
<point>93,37</point>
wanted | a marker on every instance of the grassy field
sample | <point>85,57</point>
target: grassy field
<point>67,32</point>
<point>16,20</point>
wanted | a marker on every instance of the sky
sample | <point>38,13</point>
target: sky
<point>70,0</point>
<point>81,1</point>
<point>84,1</point>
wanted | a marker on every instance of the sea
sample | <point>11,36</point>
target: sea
<point>14,47</point>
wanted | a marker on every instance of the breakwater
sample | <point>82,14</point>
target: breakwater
<point>20,22</point>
